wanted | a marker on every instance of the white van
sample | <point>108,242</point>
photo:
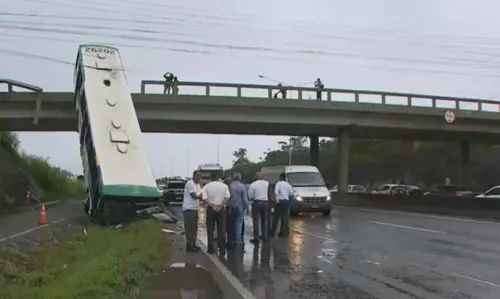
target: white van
<point>310,191</point>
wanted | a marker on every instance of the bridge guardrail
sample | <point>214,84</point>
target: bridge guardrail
<point>436,101</point>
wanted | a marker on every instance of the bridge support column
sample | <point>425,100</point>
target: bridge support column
<point>314,150</point>
<point>343,156</point>
<point>465,163</point>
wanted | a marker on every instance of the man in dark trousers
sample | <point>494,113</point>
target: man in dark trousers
<point>258,192</point>
<point>283,191</point>
<point>190,211</point>
<point>216,194</point>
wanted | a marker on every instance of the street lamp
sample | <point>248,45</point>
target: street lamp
<point>288,146</point>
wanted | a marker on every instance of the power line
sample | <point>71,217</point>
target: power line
<point>213,46</point>
<point>173,20</point>
<point>204,14</point>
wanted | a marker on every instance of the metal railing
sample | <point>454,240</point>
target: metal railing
<point>13,83</point>
<point>38,91</point>
<point>436,101</point>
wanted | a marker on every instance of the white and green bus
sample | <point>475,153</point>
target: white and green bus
<point>115,161</point>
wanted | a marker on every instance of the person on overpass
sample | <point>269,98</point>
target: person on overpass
<point>258,192</point>
<point>169,78</point>
<point>282,90</point>
<point>236,206</point>
<point>283,192</point>
<point>175,86</point>
<point>190,211</point>
<point>319,88</point>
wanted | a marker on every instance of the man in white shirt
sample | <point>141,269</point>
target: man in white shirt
<point>216,194</point>
<point>258,192</point>
<point>190,211</point>
<point>283,192</point>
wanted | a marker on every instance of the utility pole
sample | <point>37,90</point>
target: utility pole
<point>218,149</point>
<point>187,162</point>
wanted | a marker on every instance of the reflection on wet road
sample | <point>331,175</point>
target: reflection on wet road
<point>368,254</point>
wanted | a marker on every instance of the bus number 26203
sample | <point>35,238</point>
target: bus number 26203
<point>100,50</point>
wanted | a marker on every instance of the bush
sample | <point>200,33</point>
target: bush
<point>10,141</point>
<point>55,181</point>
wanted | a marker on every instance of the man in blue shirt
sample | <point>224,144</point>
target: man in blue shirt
<point>236,206</point>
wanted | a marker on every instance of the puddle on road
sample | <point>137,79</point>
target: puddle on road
<point>182,281</point>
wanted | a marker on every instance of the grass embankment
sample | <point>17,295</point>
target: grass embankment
<point>55,182</point>
<point>106,264</point>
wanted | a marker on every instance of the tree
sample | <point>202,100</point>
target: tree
<point>375,162</point>
<point>241,157</point>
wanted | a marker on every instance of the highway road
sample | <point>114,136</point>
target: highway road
<point>374,254</point>
<point>26,223</point>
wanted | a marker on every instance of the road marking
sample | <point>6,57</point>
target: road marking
<point>408,227</point>
<point>419,215</point>
<point>476,280</point>
<point>33,229</point>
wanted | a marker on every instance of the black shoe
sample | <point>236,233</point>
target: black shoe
<point>192,248</point>
<point>255,240</point>
<point>210,251</point>
<point>222,253</point>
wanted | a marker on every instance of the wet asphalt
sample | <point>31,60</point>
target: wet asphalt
<point>371,254</point>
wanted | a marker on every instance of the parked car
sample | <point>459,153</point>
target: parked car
<point>391,189</point>
<point>414,190</point>
<point>493,192</point>
<point>351,189</point>
<point>450,190</point>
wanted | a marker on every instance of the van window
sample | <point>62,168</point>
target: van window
<point>272,178</point>
<point>306,179</point>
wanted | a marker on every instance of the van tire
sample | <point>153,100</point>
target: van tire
<point>327,213</point>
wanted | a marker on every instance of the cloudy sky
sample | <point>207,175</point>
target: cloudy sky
<point>444,47</point>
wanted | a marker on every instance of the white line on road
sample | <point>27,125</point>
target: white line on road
<point>419,215</point>
<point>33,229</point>
<point>476,280</point>
<point>407,227</point>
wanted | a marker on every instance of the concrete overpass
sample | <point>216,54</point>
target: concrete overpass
<point>244,114</point>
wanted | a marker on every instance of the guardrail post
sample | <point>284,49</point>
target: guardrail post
<point>238,90</point>
<point>299,95</point>
<point>270,93</point>
<point>9,87</point>
<point>207,90</point>
<point>408,101</point>
<point>383,99</point>
<point>329,96</point>
<point>356,98</point>
<point>143,87</point>
<point>433,103</point>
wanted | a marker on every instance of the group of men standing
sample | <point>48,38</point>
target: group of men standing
<point>226,203</point>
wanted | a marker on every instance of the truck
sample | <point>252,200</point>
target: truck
<point>206,171</point>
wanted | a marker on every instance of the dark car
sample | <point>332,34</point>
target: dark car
<point>414,190</point>
<point>450,190</point>
<point>174,190</point>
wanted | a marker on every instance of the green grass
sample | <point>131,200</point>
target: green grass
<point>106,264</point>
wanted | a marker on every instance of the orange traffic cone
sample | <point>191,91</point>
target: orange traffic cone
<point>43,215</point>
